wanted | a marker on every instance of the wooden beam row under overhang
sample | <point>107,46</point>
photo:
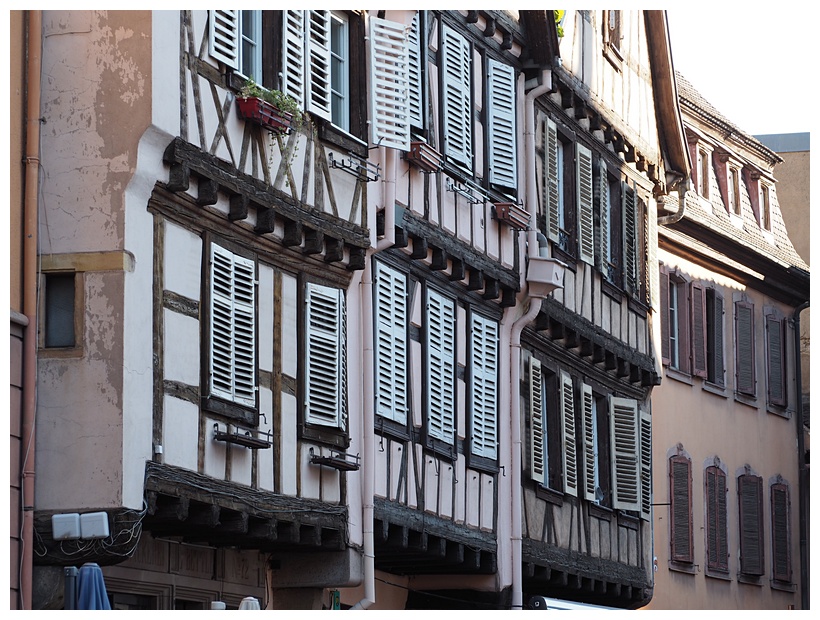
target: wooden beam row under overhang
<point>565,584</point>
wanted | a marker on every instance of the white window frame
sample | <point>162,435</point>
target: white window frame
<point>340,58</point>
<point>251,67</point>
<point>484,386</point>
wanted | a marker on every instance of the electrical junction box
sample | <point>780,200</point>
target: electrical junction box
<point>94,525</point>
<point>65,526</point>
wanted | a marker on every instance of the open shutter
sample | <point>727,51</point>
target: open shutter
<point>457,96</point>
<point>415,72</point>
<point>389,84</point>
<point>223,37</point>
<point>317,43</point>
<point>745,347</point>
<point>484,388</point>
<point>775,357</point>
<point>603,219</point>
<point>663,277</point>
<point>294,61</point>
<point>717,545</point>
<point>646,465</point>
<point>750,500</point>
<point>586,228</point>
<point>714,336</point>
<point>630,239</point>
<point>698,330</point>
<point>570,451</point>
<point>590,458</point>
<point>680,487</point>
<point>440,366</point>
<point>391,343</point>
<point>325,349</point>
<point>501,130</point>
<point>781,547</point>
<point>549,185</point>
<point>623,414</point>
<point>538,464</point>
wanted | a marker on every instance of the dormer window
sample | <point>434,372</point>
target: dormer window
<point>703,177</point>
<point>765,208</point>
<point>734,190</point>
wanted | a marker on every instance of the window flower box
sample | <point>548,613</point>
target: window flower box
<point>256,110</point>
<point>424,156</point>
<point>512,215</point>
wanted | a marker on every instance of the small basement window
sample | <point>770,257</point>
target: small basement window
<point>59,307</point>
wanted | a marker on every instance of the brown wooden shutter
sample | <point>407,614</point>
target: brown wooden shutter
<point>664,312</point>
<point>750,500</point>
<point>698,331</point>
<point>714,337</point>
<point>745,347</point>
<point>717,544</point>
<point>775,361</point>
<point>781,539</point>
<point>680,486</point>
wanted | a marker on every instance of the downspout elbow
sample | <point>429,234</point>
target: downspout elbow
<point>683,186</point>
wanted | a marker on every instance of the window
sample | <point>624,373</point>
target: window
<point>583,177</point>
<point>232,324</point>
<point>483,386</point>
<point>569,449</point>
<point>417,58</point>
<point>734,190</point>
<point>750,501</point>
<point>674,321</point>
<point>393,102</point>
<point>391,343</point>
<point>776,360</point>
<point>703,177</point>
<point>632,259</point>
<point>765,208</point>
<point>680,509</point>
<point>744,348</point>
<point>250,49</point>
<point>545,428</point>
<point>714,337</point>
<point>339,71</point>
<point>325,355</point>
<point>501,127</point>
<point>59,310</point>
<point>625,443</point>
<point>557,189</point>
<point>717,543</point>
<point>456,97</point>
<point>612,36</point>
<point>440,367</point>
<point>597,461</point>
<point>607,194</point>
<point>781,532</point>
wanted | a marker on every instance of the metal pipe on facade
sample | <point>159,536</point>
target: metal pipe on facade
<point>30,280</point>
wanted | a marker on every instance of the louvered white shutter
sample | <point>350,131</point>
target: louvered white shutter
<point>391,343</point>
<point>223,37</point>
<point>233,327</point>
<point>501,114</point>
<point>417,57</point>
<point>389,84</point>
<point>294,62</point>
<point>603,218</point>
<point>538,463</point>
<point>623,423</point>
<point>646,465</point>
<point>457,97</point>
<point>590,460</point>
<point>440,367</point>
<point>325,356</point>
<point>317,43</point>
<point>484,388</point>
<point>630,240</point>
<point>570,452</point>
<point>586,231</point>
<point>549,186</point>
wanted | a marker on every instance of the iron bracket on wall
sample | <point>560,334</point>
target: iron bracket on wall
<point>361,169</point>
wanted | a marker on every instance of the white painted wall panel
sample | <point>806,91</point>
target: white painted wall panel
<point>287,448</point>
<point>289,326</point>
<point>265,320</point>
<point>241,464</point>
<point>487,502</point>
<point>310,483</point>
<point>265,458</point>
<point>445,508</point>
<point>180,433</point>
<point>182,268</point>
<point>181,357</point>
<point>382,475</point>
<point>472,498</point>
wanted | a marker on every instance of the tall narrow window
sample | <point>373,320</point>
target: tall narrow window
<point>704,165</point>
<point>734,191</point>
<point>714,337</point>
<point>545,428</point>
<point>339,71</point>
<point>59,310</point>
<point>699,329</point>
<point>625,453</point>
<point>501,124</point>
<point>250,50</point>
<point>391,343</point>
<point>680,509</point>
<point>484,386</point>
<point>717,543</point>
<point>325,376</point>
<point>750,501</point>
<point>776,360</point>
<point>456,97</point>
<point>781,533</point>
<point>569,448</point>
<point>583,176</point>
<point>765,208</point>
<point>744,348</point>
<point>440,366</point>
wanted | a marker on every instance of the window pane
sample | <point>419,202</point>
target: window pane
<point>60,310</point>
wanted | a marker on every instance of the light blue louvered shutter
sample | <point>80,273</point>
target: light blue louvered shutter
<point>570,452</point>
<point>233,327</point>
<point>484,388</point>
<point>294,60</point>
<point>537,453</point>
<point>586,232</point>
<point>391,343</point>
<point>502,130</point>
<point>456,97</point>
<point>441,360</point>
<point>324,377</point>
<point>603,219</point>
<point>317,43</point>
<point>389,84</point>
<point>549,185</point>
<point>223,37</point>
<point>624,441</point>
<point>417,57</point>
<point>630,240</point>
<point>590,460</point>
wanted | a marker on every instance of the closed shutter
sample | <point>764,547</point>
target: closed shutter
<point>501,115</point>
<point>294,60</point>
<point>717,544</point>
<point>775,356</point>
<point>750,500</point>
<point>233,327</point>
<point>325,355</point>
<point>663,277</point>
<point>417,57</point>
<point>570,451</point>
<point>440,367</point>
<point>389,84</point>
<point>745,347</point>
<point>455,70</point>
<point>317,43</point>
<point>603,219</point>
<point>680,487</point>
<point>623,414</point>
<point>586,228</point>
<point>538,463</point>
<point>549,185</point>
<point>781,539</point>
<point>391,343</point>
<point>590,458</point>
<point>714,337</point>
<point>630,240</point>
<point>223,37</point>
<point>484,388</point>
<point>698,330</point>
<point>646,465</point>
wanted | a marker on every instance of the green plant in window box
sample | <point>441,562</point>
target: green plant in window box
<point>559,21</point>
<point>291,114</point>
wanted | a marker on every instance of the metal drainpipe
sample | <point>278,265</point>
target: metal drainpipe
<point>686,182</point>
<point>802,468</point>
<point>30,280</point>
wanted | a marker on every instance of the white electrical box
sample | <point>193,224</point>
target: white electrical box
<point>65,526</point>
<point>94,525</point>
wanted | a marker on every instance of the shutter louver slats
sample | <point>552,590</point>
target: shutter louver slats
<point>502,130</point>
<point>325,351</point>
<point>698,330</point>
<point>775,357</point>
<point>750,491</point>
<point>588,409</point>
<point>416,55</point>
<point>781,552</point>
<point>630,240</point>
<point>681,509</point>
<point>391,343</point>
<point>716,533</point>
<point>550,180</point>
<point>223,37</point>
<point>664,312</point>
<point>456,97</point>
<point>646,465</point>
<point>744,328</point>
<point>586,227</point>
<point>294,63</point>
<point>714,337</point>
<point>570,450</point>
<point>440,366</point>
<point>603,219</point>
<point>317,43</point>
<point>484,389</point>
<point>624,440</point>
<point>389,84</point>
<point>537,461</point>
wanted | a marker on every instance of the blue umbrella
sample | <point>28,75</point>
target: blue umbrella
<point>91,592</point>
